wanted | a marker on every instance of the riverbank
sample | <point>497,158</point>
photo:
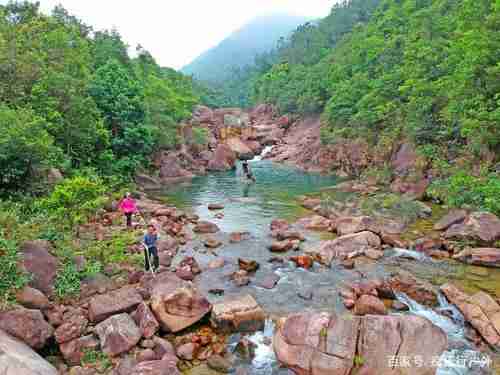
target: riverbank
<point>309,262</point>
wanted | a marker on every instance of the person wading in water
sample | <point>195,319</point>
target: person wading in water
<point>246,170</point>
<point>150,250</point>
<point>128,207</point>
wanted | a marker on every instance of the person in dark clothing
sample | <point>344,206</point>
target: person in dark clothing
<point>246,170</point>
<point>150,249</point>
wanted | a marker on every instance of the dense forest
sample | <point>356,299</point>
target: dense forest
<point>72,98</point>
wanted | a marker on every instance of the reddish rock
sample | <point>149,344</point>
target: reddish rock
<point>348,264</point>
<point>237,237</point>
<point>279,225</point>
<point>248,265</point>
<point>216,263</point>
<point>311,203</point>
<point>37,261</point>
<point>155,368</point>
<point>451,218</point>
<point>479,226</point>
<point>187,351</point>
<point>405,159</point>
<point>240,315</point>
<point>122,300</point>
<point>206,227</point>
<point>177,304</point>
<point>342,246</point>
<point>27,325</point>
<point>212,243</point>
<point>480,310</point>
<point>32,299</point>
<point>118,334</point>
<point>487,257</point>
<point>303,261</point>
<point>427,244</point>
<point>240,278</point>
<point>418,290</point>
<point>74,351</point>
<point>373,254</point>
<point>369,305</point>
<point>394,240</point>
<point>146,321</point>
<point>414,190</point>
<point>269,281</point>
<point>240,148</point>
<point>320,343</point>
<point>145,356</point>
<point>164,348</point>
<point>281,246</point>
<point>317,223</point>
<point>288,235</point>
<point>223,159</point>
<point>350,225</point>
<point>19,359</point>
<point>72,328</point>
<point>168,244</point>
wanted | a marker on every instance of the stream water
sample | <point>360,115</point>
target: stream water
<point>250,208</point>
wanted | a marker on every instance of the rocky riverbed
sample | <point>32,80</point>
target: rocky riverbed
<point>301,273</point>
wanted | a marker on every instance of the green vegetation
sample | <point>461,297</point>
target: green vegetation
<point>72,98</point>
<point>464,190</point>
<point>11,277</point>
<point>96,358</point>
<point>69,277</point>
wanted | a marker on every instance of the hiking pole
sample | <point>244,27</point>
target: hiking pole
<point>148,255</point>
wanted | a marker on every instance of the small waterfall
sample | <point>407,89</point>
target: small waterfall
<point>264,152</point>
<point>411,254</point>
<point>264,354</point>
<point>453,330</point>
<point>462,359</point>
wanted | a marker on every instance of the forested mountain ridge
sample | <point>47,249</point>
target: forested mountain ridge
<point>387,71</point>
<point>241,47</point>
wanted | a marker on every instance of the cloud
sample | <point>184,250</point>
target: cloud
<point>176,32</point>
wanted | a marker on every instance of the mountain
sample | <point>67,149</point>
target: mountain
<point>240,48</point>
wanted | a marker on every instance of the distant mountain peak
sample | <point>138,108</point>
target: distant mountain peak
<point>240,48</point>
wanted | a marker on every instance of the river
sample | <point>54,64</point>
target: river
<point>250,208</point>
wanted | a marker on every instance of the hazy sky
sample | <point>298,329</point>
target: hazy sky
<point>177,31</point>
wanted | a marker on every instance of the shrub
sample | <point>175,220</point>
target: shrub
<point>69,278</point>
<point>463,189</point>
<point>12,278</point>
<point>74,200</point>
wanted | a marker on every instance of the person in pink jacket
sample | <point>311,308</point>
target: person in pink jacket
<point>128,207</point>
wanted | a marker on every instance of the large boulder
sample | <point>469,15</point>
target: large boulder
<point>350,225</point>
<point>203,115</point>
<point>171,168</point>
<point>480,310</point>
<point>72,328</point>
<point>487,257</point>
<point>37,261</point>
<point>224,159</point>
<point>321,343</point>
<point>479,226</point>
<point>368,304</point>
<point>16,358</point>
<point>239,315</point>
<point>242,151</point>
<point>122,300</point>
<point>418,290</point>
<point>74,351</point>
<point>118,334</point>
<point>28,326</point>
<point>177,304</point>
<point>451,218</point>
<point>205,227</point>
<point>32,299</point>
<point>145,320</point>
<point>343,246</point>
